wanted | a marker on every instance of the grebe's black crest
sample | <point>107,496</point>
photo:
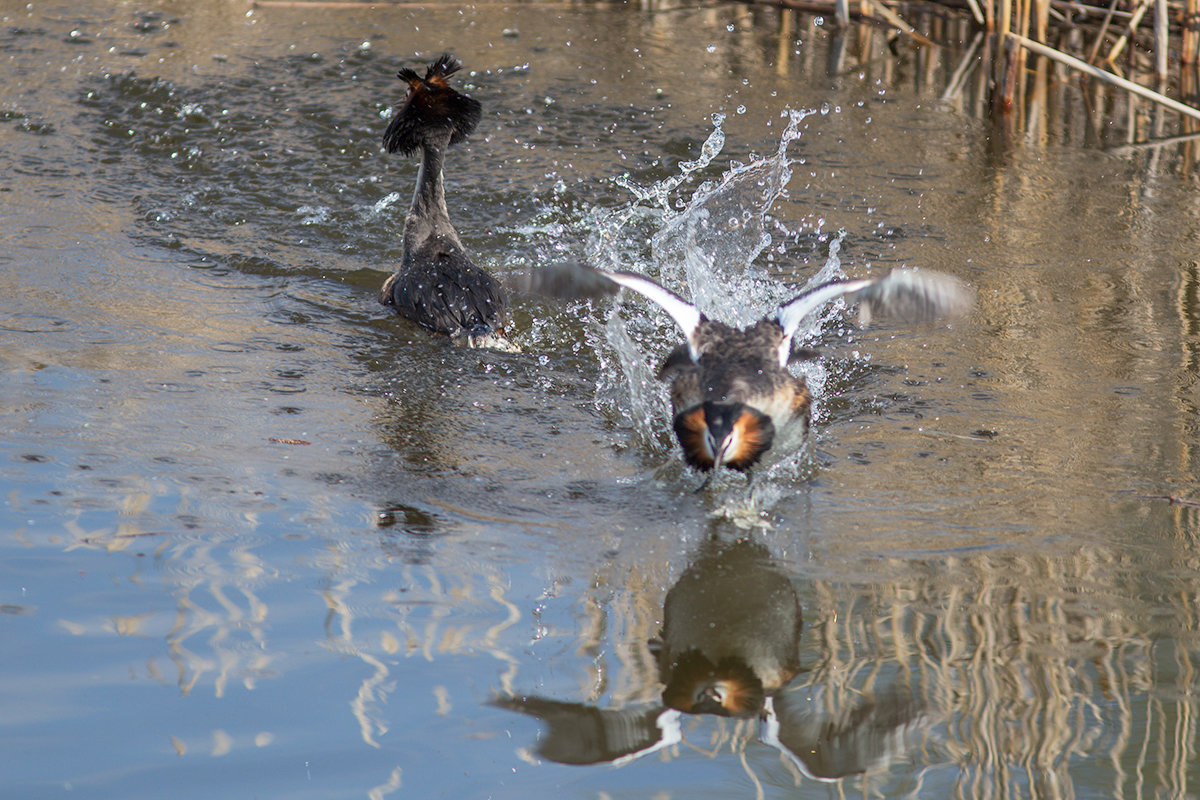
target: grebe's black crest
<point>438,286</point>
<point>731,392</point>
<point>431,108</point>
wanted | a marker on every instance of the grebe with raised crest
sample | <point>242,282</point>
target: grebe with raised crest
<point>438,286</point>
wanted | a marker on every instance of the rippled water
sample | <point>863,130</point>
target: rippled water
<point>262,538</point>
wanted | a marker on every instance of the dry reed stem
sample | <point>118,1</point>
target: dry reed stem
<point>1162,42</point>
<point>965,65</point>
<point>1129,32</point>
<point>1095,49</point>
<point>976,12</point>
<point>1096,72</point>
<point>1191,28</point>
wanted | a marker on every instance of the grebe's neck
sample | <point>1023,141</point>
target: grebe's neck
<point>429,199</point>
<point>428,220</point>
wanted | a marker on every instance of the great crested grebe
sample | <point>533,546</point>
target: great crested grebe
<point>731,391</point>
<point>437,285</point>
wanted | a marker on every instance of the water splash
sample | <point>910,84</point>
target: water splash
<point>711,245</point>
<point>385,202</point>
<point>705,251</point>
<point>660,193</point>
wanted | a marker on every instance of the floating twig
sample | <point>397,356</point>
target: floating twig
<point>117,536</point>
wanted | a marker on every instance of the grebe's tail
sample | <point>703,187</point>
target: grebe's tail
<point>432,109</point>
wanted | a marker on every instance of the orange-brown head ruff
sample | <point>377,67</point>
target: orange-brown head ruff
<point>728,689</point>
<point>431,110</point>
<point>715,434</point>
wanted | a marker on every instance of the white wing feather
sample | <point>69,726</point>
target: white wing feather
<point>686,315</point>
<point>904,294</point>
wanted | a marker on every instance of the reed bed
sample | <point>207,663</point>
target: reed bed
<point>1139,46</point>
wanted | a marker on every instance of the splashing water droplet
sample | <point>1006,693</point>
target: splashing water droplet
<point>703,246</point>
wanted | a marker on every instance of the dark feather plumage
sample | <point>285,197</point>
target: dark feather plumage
<point>438,286</point>
<point>431,109</point>
<point>448,294</point>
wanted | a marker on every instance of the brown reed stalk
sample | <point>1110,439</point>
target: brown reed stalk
<point>1162,42</point>
<point>1191,32</point>
<point>1042,20</point>
<point>1095,49</point>
<point>1024,14</point>
<point>1129,32</point>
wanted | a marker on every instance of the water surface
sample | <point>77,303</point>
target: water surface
<point>263,538</point>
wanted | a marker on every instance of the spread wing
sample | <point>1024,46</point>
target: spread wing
<point>575,280</point>
<point>577,733</point>
<point>903,294</point>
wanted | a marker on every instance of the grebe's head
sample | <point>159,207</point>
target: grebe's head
<point>432,109</point>
<point>730,435</point>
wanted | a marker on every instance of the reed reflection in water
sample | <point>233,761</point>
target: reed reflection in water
<point>994,674</point>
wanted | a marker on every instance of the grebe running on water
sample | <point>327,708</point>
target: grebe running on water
<point>731,391</point>
<point>437,285</point>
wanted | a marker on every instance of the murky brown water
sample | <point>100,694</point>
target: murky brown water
<point>262,538</point>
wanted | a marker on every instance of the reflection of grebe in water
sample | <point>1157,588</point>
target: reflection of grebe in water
<point>731,632</point>
<point>437,285</point>
<point>729,646</point>
<point>731,391</point>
